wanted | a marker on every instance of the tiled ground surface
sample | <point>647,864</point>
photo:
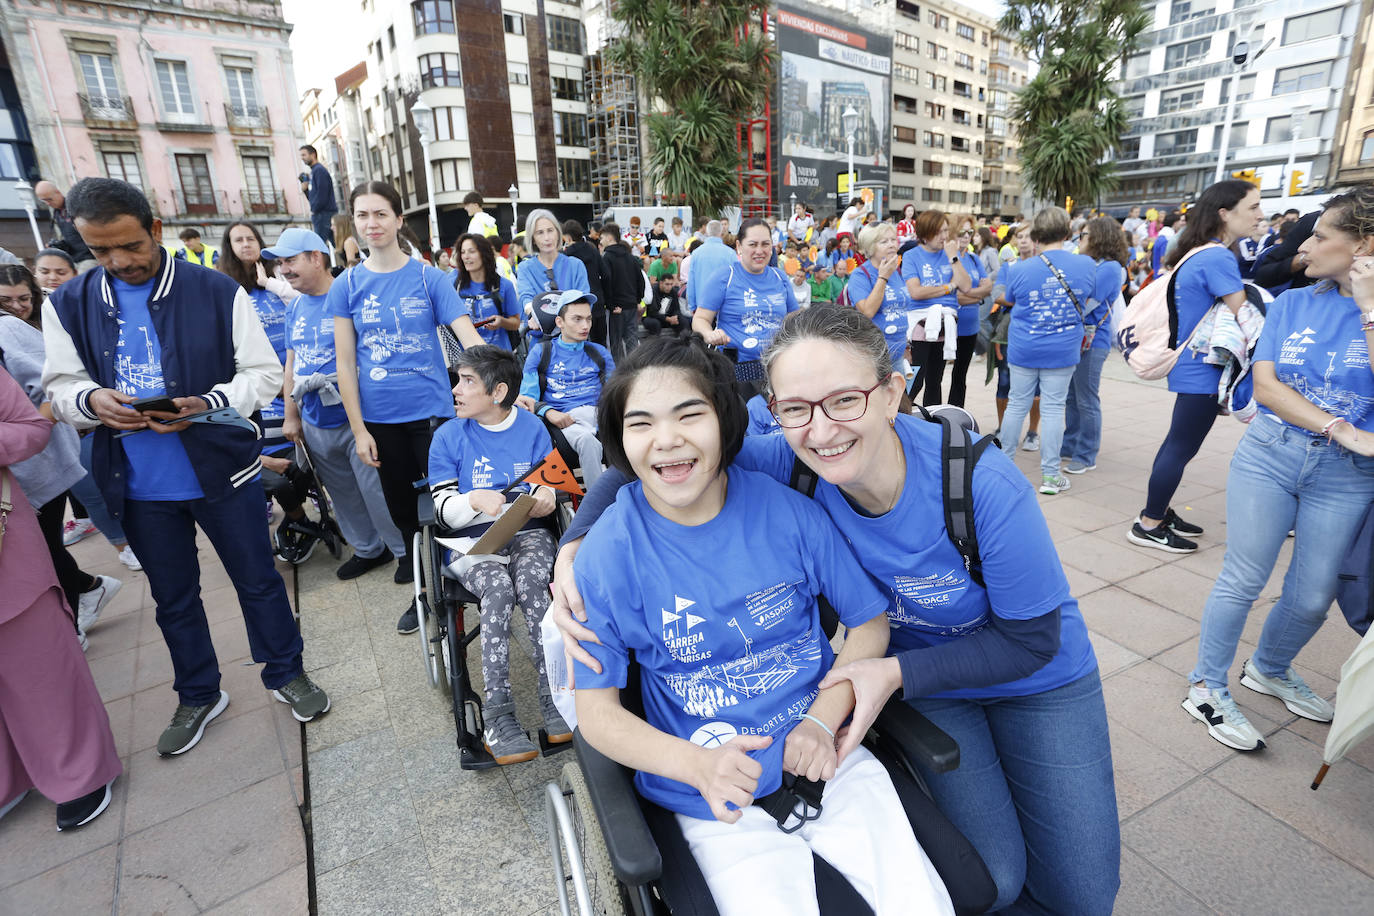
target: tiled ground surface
<point>218,829</point>
<point>399,828</point>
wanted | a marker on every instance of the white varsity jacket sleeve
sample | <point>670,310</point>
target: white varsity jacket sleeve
<point>64,376</point>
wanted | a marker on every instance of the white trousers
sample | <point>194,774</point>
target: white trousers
<point>582,437</point>
<point>753,868</point>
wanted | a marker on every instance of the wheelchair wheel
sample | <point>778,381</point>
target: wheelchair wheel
<point>425,611</point>
<point>604,893</point>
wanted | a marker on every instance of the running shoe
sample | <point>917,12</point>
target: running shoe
<point>85,809</point>
<point>1224,720</point>
<point>1050,485</point>
<point>188,725</point>
<point>1160,538</point>
<point>93,601</point>
<point>1290,688</point>
<point>1177,525</point>
<point>305,697</point>
<point>76,530</point>
<point>1074,466</point>
<point>126,556</point>
<point>410,620</point>
<point>1031,443</point>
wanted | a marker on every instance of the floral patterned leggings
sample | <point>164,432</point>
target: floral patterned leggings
<point>499,586</point>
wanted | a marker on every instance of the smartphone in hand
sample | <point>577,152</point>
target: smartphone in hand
<point>160,403</point>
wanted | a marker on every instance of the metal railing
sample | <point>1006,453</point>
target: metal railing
<point>251,117</point>
<point>106,109</point>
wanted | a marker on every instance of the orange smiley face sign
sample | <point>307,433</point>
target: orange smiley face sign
<point>554,472</point>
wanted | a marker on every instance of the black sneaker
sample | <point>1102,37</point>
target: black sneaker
<point>1160,538</point>
<point>356,566</point>
<point>83,810</point>
<point>409,622</point>
<point>405,573</point>
<point>296,540</point>
<point>1179,526</point>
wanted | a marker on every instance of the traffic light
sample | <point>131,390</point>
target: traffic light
<point>1247,175</point>
<point>1296,182</point>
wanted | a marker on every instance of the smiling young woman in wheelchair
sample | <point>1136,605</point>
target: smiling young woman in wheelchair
<point>732,663</point>
<point>473,462</point>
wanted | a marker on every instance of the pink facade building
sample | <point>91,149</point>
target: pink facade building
<point>194,101</point>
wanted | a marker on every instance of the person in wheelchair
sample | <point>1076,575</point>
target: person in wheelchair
<point>732,664</point>
<point>564,374</point>
<point>289,484</point>
<point>473,462</point>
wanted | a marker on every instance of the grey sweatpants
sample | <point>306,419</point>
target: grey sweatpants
<point>355,492</point>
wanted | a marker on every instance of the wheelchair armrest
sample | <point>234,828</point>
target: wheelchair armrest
<point>425,507</point>
<point>919,738</point>
<point>629,844</point>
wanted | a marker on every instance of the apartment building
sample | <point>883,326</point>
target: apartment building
<point>193,102</point>
<point>943,61</point>
<point>1354,152</point>
<point>1287,96</point>
<point>505,82</point>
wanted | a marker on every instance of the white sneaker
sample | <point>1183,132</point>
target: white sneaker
<point>1224,720</point>
<point>126,556</point>
<point>94,601</point>
<point>83,640</point>
<point>1290,688</point>
<point>1031,443</point>
<point>75,531</point>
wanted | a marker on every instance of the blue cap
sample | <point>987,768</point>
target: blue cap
<point>293,241</point>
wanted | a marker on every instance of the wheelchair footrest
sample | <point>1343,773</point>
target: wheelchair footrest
<point>547,748</point>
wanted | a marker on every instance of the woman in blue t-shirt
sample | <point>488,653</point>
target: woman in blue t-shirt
<point>732,664</point>
<point>1054,297</point>
<point>875,290</point>
<point>933,275</point>
<point>1104,242</point>
<point>546,269</point>
<point>241,258</point>
<point>490,298</point>
<point>1005,667</point>
<point>1305,464</point>
<point>1226,211</point>
<point>392,374</point>
<point>970,308</point>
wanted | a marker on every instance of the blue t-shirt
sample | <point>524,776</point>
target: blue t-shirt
<point>1045,330</point>
<point>532,277</point>
<point>929,268</point>
<point>1205,278</point>
<point>482,458</point>
<point>737,652</point>
<point>481,304</point>
<point>1158,250</point>
<point>761,419</point>
<point>272,316</point>
<point>396,315</point>
<point>891,317</point>
<point>907,551</point>
<point>573,377</point>
<point>159,468</point>
<point>1317,348</point>
<point>749,307</point>
<point>310,335</point>
<point>968,314</point>
<point>1110,278</point>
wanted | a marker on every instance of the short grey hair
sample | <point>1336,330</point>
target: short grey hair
<point>871,235</point>
<point>836,324</point>
<point>715,229</point>
<point>534,217</point>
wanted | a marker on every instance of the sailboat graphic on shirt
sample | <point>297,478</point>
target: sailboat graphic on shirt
<point>135,372</point>
<point>382,344</point>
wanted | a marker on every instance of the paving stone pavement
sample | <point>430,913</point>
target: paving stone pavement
<point>398,827</point>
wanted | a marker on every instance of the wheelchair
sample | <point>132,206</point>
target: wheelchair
<point>615,852</point>
<point>449,622</point>
<point>302,478</point>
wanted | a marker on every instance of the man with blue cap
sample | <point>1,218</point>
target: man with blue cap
<point>564,373</point>
<point>315,414</point>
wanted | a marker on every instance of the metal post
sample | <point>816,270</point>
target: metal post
<point>514,192</point>
<point>433,208</point>
<point>1295,122</point>
<point>1226,125</point>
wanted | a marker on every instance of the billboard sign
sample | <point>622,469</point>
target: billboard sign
<point>827,69</point>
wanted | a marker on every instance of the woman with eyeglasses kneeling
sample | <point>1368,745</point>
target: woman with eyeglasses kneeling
<point>1004,666</point>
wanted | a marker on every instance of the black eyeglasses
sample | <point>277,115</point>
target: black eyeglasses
<point>841,406</point>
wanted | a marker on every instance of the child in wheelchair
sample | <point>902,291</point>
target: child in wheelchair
<point>290,485</point>
<point>733,660</point>
<point>473,461</point>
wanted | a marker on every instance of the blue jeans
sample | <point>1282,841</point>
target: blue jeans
<point>1034,794</point>
<point>322,223</point>
<point>163,534</point>
<point>1281,479</point>
<point>1083,409</point>
<point>1054,389</point>
<point>89,494</point>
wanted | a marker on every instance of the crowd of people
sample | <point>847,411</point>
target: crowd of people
<point>692,372</point>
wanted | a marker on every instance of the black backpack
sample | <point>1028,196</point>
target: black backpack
<point>546,356</point>
<point>959,452</point>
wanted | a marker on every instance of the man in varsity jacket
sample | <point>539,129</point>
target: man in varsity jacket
<point>146,325</point>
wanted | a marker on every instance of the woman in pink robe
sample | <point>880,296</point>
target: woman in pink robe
<point>54,733</point>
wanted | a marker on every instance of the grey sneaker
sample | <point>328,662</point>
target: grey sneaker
<point>1224,720</point>
<point>503,736</point>
<point>1074,466</point>
<point>1290,688</point>
<point>91,603</point>
<point>554,725</point>
<point>306,698</point>
<point>1052,485</point>
<point>188,724</point>
<point>1031,443</point>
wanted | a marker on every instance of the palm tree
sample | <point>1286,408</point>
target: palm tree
<point>1069,117</point>
<point>708,67</point>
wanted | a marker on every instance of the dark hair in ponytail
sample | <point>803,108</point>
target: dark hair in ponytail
<point>1204,217</point>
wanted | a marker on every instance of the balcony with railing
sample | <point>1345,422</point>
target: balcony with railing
<point>249,119</point>
<point>201,203</point>
<point>107,111</point>
<point>267,201</point>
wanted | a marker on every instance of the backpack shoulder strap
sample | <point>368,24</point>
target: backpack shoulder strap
<point>958,455</point>
<point>803,479</point>
<point>595,356</point>
<point>545,355</point>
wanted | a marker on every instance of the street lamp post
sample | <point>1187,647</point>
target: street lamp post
<point>514,192</point>
<point>850,120</point>
<point>423,117</point>
<point>30,204</point>
<point>1296,121</point>
<point>1240,56</point>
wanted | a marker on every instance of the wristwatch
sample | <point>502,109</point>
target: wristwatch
<point>1367,319</point>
